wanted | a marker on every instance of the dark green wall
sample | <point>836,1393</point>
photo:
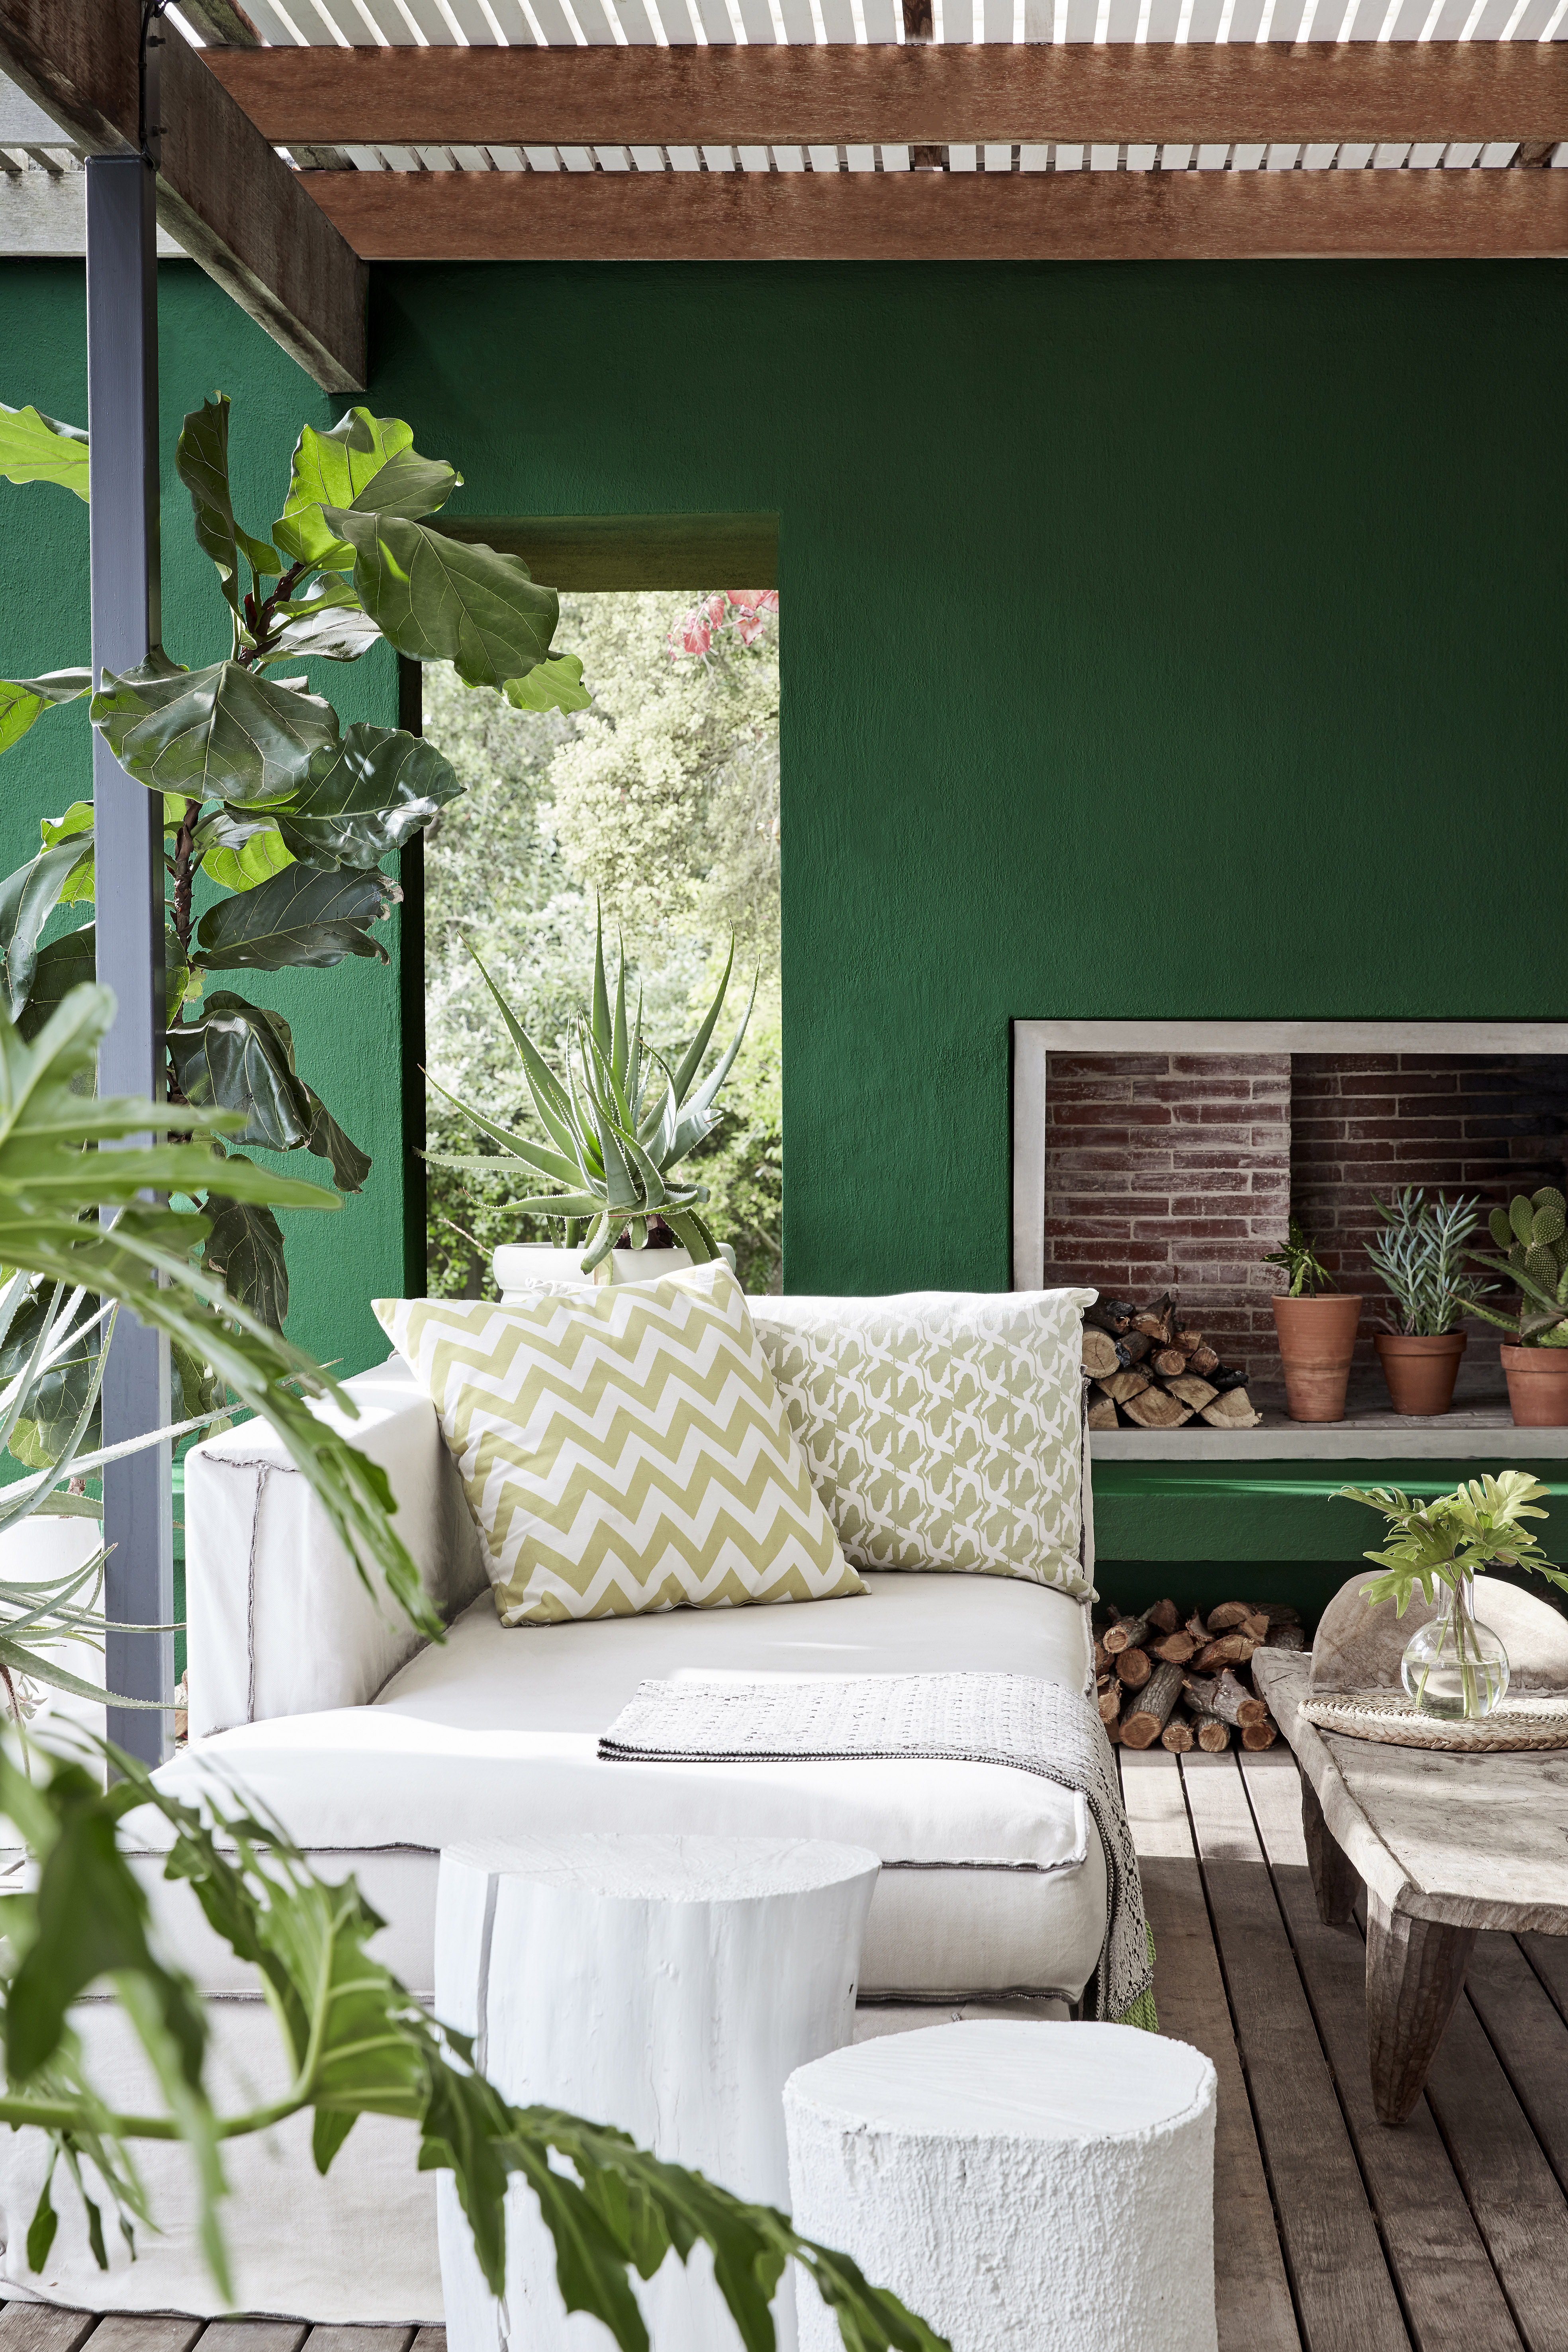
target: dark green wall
<point>1183,640</point>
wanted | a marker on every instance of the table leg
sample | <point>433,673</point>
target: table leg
<point>1336,1881</point>
<point>1415,1975</point>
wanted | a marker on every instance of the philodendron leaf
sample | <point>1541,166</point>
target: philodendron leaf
<point>37,448</point>
<point>307,915</point>
<point>329,624</point>
<point>240,851</point>
<point>440,599</point>
<point>220,733</point>
<point>24,699</point>
<point>555,684</point>
<point>245,1250</point>
<point>365,462</point>
<point>366,797</point>
<point>201,460</point>
<point>27,898</point>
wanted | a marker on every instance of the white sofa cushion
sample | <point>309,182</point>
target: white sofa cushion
<point>994,1880</point>
<point>944,1429</point>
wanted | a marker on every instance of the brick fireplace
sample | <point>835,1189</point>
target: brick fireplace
<point>1166,1155</point>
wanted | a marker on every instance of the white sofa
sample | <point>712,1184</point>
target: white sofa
<point>375,1748</point>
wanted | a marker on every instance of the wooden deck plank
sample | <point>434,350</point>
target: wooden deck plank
<point>430,2339</point>
<point>1510,2189</point>
<point>1451,2296</point>
<point>43,2328</point>
<point>1530,2038</point>
<point>255,2335</point>
<point>123,2331</point>
<point>365,2339</point>
<point>1547,1956</point>
<point>1252,2293</point>
<point>1344,2298</point>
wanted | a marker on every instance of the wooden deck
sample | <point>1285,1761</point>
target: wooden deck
<point>1333,2233</point>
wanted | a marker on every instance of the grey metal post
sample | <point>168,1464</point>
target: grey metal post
<point>122,422</point>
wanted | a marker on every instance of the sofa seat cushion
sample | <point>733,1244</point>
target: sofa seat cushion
<point>994,1880</point>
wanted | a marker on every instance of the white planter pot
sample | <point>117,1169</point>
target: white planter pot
<point>522,1267</point>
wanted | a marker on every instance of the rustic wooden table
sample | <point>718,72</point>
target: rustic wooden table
<point>1446,1845</point>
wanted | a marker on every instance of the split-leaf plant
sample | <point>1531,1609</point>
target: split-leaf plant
<point>286,815</point>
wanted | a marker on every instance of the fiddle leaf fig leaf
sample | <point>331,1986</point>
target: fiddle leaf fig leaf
<point>24,699</point>
<point>441,599</point>
<point>38,448</point>
<point>364,462</point>
<point>220,733</point>
<point>63,965</point>
<point>329,624</point>
<point>27,898</point>
<point>367,797</point>
<point>77,819</point>
<point>349,1165</point>
<point>241,1057</point>
<point>245,1250</point>
<point>554,684</point>
<point>201,460</point>
<point>308,915</point>
<point>239,851</point>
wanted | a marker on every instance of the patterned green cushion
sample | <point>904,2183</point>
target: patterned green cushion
<point>943,1429</point>
<point>623,1449</point>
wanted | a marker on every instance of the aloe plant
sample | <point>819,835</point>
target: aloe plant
<point>1534,1233</point>
<point>617,1127</point>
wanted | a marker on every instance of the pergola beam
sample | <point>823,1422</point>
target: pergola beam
<point>224,196</point>
<point>948,216</point>
<point>920,94</point>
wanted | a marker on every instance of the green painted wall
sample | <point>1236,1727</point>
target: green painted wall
<point>1179,640</point>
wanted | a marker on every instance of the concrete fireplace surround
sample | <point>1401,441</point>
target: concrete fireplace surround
<point>1229,1092</point>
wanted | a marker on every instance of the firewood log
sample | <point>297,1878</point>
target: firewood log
<point>1256,1737</point>
<point>1109,1703</point>
<point>1213,1736</point>
<point>1191,1390</point>
<point>1228,1615</point>
<point>1127,1633</point>
<point>1121,1387</point>
<point>1230,1650</point>
<point>1176,1649</point>
<point>1228,1378</point>
<point>1156,1408</point>
<point>1169,1362</point>
<point>1102,1413</point>
<point>1281,1612</point>
<point>1198,1629</point>
<point>1232,1410</point>
<point>1225,1698</point>
<point>1189,1342</point>
<point>1256,1629</point>
<point>1159,1320</point>
<point>1142,1723</point>
<point>1285,1637</point>
<point>1111,1313</point>
<point>1165,1616</point>
<point>1203,1360</point>
<point>1177,1737</point>
<point>1101,1656</point>
<point>1100,1353</point>
<point>1134,1667</point>
<point>1134,1347</point>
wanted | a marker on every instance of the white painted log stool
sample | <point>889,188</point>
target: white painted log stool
<point>668,1985</point>
<point>1018,2185</point>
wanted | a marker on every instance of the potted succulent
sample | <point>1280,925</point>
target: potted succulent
<point>614,1130</point>
<point>1453,1667</point>
<point>1317,1325</point>
<point>1534,1233</point>
<point>1418,1256</point>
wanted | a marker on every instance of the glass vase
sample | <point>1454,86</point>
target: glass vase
<point>1453,1667</point>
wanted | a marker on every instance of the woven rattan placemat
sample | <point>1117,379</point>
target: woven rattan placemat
<point>1532,1719</point>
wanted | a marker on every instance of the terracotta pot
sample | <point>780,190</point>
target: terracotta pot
<point>1317,1340</point>
<point>1420,1372</point>
<point>1537,1386</point>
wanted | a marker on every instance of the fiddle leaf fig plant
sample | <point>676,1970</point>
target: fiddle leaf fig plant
<point>280,813</point>
<point>618,1126</point>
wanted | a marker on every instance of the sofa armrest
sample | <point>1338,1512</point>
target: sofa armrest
<point>279,1621</point>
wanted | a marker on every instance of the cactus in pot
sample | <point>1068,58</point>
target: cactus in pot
<point>1534,1233</point>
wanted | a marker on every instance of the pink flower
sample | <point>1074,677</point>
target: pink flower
<point>692,634</point>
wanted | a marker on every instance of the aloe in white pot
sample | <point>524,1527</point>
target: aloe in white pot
<point>615,1128</point>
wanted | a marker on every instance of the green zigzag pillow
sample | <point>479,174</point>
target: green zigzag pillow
<point>623,1449</point>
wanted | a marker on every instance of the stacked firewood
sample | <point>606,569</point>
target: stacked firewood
<point>1189,1684</point>
<point>1147,1371</point>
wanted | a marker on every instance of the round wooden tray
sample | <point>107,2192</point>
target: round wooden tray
<point>1532,1719</point>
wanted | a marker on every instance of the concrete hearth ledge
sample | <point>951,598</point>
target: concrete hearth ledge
<point>1484,1431</point>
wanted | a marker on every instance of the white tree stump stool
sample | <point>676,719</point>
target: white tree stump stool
<point>668,1985</point>
<point>1040,2186</point>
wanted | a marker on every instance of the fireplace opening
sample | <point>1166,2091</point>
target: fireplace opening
<point>1169,1164</point>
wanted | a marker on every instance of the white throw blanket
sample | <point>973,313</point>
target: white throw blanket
<point>1016,1721</point>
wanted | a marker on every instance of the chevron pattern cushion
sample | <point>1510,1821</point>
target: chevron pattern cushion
<point>943,1429</point>
<point>624,1449</point>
